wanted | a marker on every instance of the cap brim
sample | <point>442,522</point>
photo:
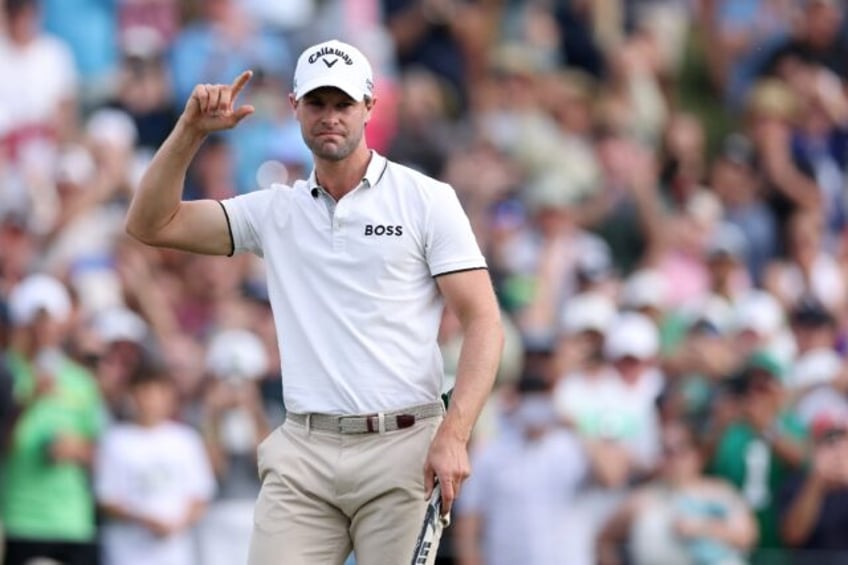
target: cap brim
<point>354,92</point>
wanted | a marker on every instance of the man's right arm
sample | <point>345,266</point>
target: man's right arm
<point>157,215</point>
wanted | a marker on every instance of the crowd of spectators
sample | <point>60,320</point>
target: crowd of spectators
<point>659,187</point>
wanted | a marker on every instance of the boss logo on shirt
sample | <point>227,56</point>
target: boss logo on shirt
<point>383,230</point>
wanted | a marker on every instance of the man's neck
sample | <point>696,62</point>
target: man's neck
<point>340,177</point>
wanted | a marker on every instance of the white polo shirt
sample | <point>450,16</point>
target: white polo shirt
<point>352,285</point>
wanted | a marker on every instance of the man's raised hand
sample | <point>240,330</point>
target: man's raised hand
<point>211,107</point>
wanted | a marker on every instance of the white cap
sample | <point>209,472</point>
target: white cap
<point>36,293</point>
<point>728,240</point>
<point>236,354</point>
<point>587,311</point>
<point>142,41</point>
<point>632,335</point>
<point>716,311</point>
<point>112,127</point>
<point>644,288</point>
<point>335,64</point>
<point>819,366</point>
<point>120,324</point>
<point>759,312</point>
<point>75,165</point>
<point>98,289</point>
<point>594,262</point>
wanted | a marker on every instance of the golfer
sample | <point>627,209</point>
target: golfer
<point>361,258</point>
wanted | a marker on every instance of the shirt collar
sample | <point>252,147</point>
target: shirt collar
<point>376,167</point>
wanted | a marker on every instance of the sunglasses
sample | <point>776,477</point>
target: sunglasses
<point>831,436</point>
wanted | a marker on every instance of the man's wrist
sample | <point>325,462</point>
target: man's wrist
<point>454,429</point>
<point>188,134</point>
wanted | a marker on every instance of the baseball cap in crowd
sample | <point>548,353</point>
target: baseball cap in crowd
<point>236,354</point>
<point>632,335</point>
<point>714,315</point>
<point>727,242</point>
<point>594,263</point>
<point>142,42</point>
<point>335,64</point>
<point>75,166</point>
<point>35,294</point>
<point>120,325</point>
<point>646,288</point>
<point>816,367</point>
<point>759,368</point>
<point>112,127</point>
<point>705,208</point>
<point>765,362</point>
<point>760,312</point>
<point>551,190</point>
<point>588,311</point>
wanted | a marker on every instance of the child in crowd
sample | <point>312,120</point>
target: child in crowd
<point>153,480</point>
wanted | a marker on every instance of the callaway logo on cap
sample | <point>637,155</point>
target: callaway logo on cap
<point>336,64</point>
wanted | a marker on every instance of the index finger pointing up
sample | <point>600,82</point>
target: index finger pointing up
<point>239,83</point>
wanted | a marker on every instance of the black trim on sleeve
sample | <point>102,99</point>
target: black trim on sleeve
<point>461,271</point>
<point>229,230</point>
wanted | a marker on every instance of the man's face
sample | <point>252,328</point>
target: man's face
<point>762,397</point>
<point>332,123</point>
<point>154,401</point>
<point>810,336</point>
<point>47,331</point>
<point>630,367</point>
<point>823,20</point>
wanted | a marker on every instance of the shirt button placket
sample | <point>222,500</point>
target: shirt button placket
<point>338,225</point>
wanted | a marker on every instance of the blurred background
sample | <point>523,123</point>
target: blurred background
<point>659,187</point>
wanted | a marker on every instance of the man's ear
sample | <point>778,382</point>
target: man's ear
<point>292,101</point>
<point>369,107</point>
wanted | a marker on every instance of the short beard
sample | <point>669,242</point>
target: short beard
<point>334,152</point>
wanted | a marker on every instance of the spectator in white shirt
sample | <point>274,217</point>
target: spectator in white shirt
<point>515,507</point>
<point>153,480</point>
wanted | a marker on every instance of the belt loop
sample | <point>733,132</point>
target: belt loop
<point>381,422</point>
<point>308,423</point>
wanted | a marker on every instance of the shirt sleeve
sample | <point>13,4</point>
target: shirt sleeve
<point>246,214</point>
<point>450,245</point>
<point>574,467</point>
<point>109,476</point>
<point>201,479</point>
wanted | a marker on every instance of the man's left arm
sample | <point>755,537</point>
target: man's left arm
<point>471,296</point>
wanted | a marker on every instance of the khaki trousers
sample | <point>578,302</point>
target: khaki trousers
<point>325,493</point>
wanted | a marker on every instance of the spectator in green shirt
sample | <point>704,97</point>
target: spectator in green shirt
<point>5,417</point>
<point>758,449</point>
<point>46,502</point>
